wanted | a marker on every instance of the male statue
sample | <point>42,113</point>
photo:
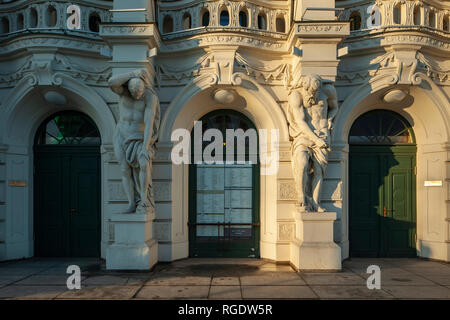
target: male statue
<point>135,136</point>
<point>312,107</point>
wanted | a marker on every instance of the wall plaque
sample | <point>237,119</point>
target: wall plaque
<point>433,184</point>
<point>17,183</point>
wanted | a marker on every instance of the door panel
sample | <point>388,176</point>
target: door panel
<point>364,191</point>
<point>50,231</point>
<point>67,179</point>
<point>84,222</point>
<point>382,201</point>
<point>399,225</point>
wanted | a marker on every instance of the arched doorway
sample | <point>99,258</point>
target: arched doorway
<point>224,198</point>
<point>382,190</point>
<point>67,187</point>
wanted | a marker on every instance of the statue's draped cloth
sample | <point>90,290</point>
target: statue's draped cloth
<point>132,146</point>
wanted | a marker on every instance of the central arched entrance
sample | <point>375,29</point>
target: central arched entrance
<point>67,187</point>
<point>224,198</point>
<point>382,192</point>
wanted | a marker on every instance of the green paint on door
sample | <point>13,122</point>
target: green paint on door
<point>67,187</point>
<point>382,191</point>
<point>67,202</point>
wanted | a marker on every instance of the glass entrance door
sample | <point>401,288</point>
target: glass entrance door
<point>224,203</point>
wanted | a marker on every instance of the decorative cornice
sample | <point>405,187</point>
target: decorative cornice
<point>406,38</point>
<point>53,41</point>
<point>130,33</point>
<point>206,40</point>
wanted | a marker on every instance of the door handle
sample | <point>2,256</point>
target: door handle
<point>72,211</point>
<point>385,211</point>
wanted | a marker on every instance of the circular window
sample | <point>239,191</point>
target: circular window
<point>68,128</point>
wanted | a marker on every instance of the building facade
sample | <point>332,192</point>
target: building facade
<point>232,65</point>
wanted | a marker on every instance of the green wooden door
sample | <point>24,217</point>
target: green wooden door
<point>224,200</point>
<point>382,190</point>
<point>67,202</point>
<point>67,187</point>
<point>382,201</point>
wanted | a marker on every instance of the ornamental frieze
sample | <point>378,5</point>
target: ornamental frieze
<point>49,72</point>
<point>208,40</point>
<point>52,41</point>
<point>375,42</point>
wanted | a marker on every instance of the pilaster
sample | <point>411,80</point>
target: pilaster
<point>133,46</point>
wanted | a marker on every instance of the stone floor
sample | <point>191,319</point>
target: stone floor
<point>224,279</point>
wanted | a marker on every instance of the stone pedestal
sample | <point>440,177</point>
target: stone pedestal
<point>314,247</point>
<point>132,246</point>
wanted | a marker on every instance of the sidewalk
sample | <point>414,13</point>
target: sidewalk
<point>229,279</point>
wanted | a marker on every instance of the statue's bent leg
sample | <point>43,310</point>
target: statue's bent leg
<point>317,182</point>
<point>127,180</point>
<point>145,179</point>
<point>300,164</point>
<point>128,186</point>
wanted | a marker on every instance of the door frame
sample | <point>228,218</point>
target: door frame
<point>192,196</point>
<point>66,150</point>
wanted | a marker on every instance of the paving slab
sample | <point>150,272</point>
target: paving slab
<point>225,293</point>
<point>277,292</point>
<point>364,263</point>
<point>45,280</point>
<point>12,271</point>
<point>275,267</point>
<point>333,278</point>
<point>385,271</point>
<point>137,280</point>
<point>6,280</point>
<point>225,281</point>
<point>273,279</point>
<point>178,280</point>
<point>173,292</point>
<point>101,292</point>
<point>105,280</point>
<point>443,280</point>
<point>32,263</point>
<point>349,292</point>
<point>418,292</point>
<point>31,292</point>
<point>414,262</point>
<point>401,278</point>
<point>432,270</point>
<point>55,271</point>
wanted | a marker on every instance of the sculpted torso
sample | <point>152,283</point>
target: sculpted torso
<point>131,115</point>
<point>318,116</point>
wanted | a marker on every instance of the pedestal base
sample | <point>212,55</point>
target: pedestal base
<point>314,248</point>
<point>132,246</point>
